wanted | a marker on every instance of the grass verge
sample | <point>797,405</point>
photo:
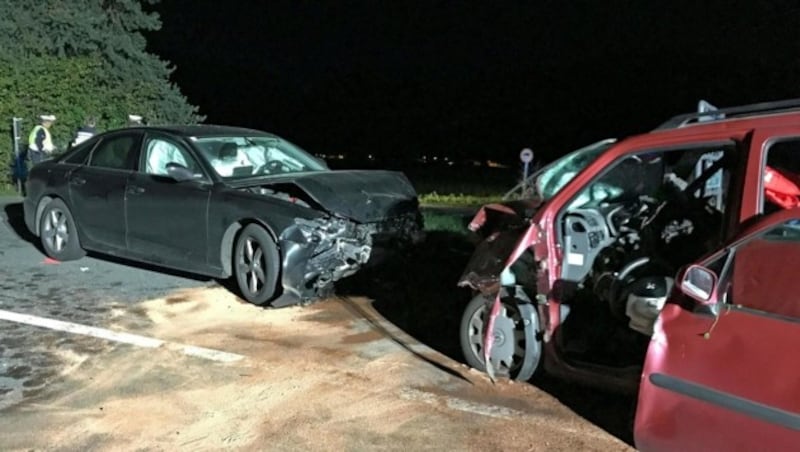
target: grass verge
<point>8,190</point>
<point>459,199</point>
<point>445,222</point>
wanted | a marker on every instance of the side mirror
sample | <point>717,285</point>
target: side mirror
<point>699,283</point>
<point>179,172</point>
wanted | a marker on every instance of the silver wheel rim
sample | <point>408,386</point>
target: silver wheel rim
<point>251,266</point>
<point>55,231</point>
<point>514,331</point>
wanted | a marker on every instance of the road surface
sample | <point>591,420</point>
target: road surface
<point>98,354</point>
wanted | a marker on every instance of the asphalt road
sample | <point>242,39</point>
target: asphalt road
<point>85,291</point>
<point>84,392</point>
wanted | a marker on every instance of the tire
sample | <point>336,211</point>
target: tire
<point>58,234</point>
<point>527,352</point>
<point>256,264</point>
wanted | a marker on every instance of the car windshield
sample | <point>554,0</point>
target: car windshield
<point>553,177</point>
<point>238,157</point>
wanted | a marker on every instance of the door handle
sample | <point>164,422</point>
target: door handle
<point>135,190</point>
<point>77,181</point>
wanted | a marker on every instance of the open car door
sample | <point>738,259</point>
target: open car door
<point>721,371</point>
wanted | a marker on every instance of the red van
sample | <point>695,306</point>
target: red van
<point>661,263</point>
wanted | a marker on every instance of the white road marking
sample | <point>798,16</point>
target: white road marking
<point>116,336</point>
<point>207,353</point>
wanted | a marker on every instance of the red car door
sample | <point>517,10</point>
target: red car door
<point>721,371</point>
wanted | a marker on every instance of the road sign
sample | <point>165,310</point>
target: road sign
<point>526,155</point>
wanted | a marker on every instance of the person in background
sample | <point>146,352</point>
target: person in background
<point>135,121</point>
<point>40,142</point>
<point>85,132</point>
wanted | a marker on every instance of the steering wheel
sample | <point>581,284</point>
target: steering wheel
<point>273,167</point>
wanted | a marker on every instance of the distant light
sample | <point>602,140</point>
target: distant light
<point>370,157</point>
<point>493,164</point>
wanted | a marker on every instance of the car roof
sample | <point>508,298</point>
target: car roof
<point>203,130</point>
<point>724,123</point>
<point>760,115</point>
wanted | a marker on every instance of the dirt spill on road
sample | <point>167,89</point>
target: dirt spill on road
<point>330,376</point>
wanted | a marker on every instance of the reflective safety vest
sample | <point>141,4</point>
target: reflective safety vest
<point>47,144</point>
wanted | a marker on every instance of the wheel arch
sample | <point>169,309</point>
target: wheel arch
<point>229,239</point>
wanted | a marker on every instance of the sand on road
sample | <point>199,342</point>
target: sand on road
<point>330,376</point>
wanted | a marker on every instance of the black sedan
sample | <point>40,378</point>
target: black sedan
<point>222,202</point>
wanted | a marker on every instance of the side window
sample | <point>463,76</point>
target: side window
<point>115,152</point>
<point>701,173</point>
<point>782,175</point>
<point>670,205</point>
<point>762,274</point>
<point>160,151</point>
<point>79,156</point>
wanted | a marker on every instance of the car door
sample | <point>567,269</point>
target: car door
<point>720,372</point>
<point>97,191</point>
<point>167,218</point>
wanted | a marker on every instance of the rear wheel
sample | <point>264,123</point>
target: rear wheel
<point>516,352</point>
<point>58,233</point>
<point>256,264</point>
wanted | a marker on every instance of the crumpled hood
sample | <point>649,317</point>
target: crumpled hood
<point>361,195</point>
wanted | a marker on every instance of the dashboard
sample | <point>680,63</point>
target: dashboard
<point>586,233</point>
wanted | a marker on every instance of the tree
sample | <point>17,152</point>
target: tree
<point>79,58</point>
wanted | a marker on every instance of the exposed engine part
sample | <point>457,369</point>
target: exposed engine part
<point>646,298</point>
<point>341,247</point>
<point>317,252</point>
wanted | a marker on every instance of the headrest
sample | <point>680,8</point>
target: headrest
<point>228,150</point>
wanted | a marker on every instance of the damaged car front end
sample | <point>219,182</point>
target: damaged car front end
<point>339,220</point>
<point>318,252</point>
<point>505,323</point>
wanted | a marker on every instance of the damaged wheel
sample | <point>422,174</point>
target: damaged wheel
<point>256,264</point>
<point>516,352</point>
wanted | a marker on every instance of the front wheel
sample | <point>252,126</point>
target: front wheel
<point>58,233</point>
<point>256,264</point>
<point>517,350</point>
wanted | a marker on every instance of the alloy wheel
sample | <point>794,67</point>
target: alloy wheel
<point>56,230</point>
<point>252,264</point>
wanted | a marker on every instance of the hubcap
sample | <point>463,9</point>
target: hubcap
<point>251,265</point>
<point>55,231</point>
<point>508,349</point>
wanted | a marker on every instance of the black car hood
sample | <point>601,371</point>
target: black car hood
<point>362,195</point>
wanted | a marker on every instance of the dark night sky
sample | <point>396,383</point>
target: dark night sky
<point>481,79</point>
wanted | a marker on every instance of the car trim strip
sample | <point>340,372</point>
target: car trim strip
<point>728,401</point>
<point>759,313</point>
